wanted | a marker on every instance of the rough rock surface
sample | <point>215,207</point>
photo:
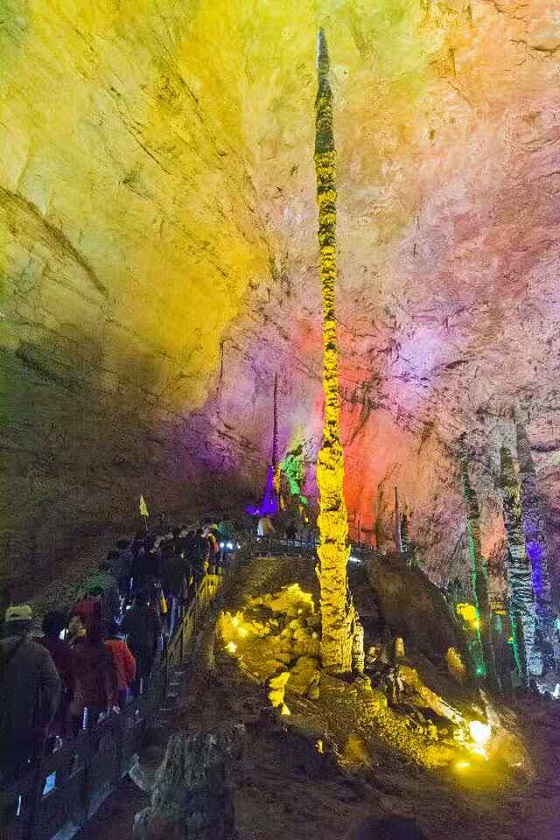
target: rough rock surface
<point>158,243</point>
<point>413,608</point>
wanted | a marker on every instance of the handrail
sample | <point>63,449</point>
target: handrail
<point>91,765</point>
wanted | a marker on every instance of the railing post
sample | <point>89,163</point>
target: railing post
<point>165,666</point>
<point>118,735</point>
<point>35,797</point>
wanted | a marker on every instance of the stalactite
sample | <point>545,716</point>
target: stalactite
<point>338,615</point>
<point>533,528</point>
<point>522,604</point>
<point>398,524</point>
<point>479,575</point>
<point>275,423</point>
<point>405,535</point>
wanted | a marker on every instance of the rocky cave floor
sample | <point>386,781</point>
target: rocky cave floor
<point>284,788</point>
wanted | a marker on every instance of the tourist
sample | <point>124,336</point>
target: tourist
<point>89,606</point>
<point>95,686</point>
<point>226,528</point>
<point>76,630</point>
<point>172,581</point>
<point>54,623</point>
<point>110,600</point>
<point>176,540</point>
<point>30,691</point>
<point>291,531</point>
<point>120,562</point>
<point>123,660</point>
<point>146,564</point>
<point>199,556</point>
<point>213,551</point>
<point>142,627</point>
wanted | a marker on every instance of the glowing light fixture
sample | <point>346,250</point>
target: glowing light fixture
<point>231,646</point>
<point>481,734</point>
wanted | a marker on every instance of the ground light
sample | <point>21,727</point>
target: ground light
<point>480,734</point>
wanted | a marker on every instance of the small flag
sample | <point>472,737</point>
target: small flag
<point>143,507</point>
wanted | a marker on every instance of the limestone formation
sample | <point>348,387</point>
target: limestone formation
<point>522,601</point>
<point>337,639</point>
<point>479,573</point>
<point>534,531</point>
<point>190,795</point>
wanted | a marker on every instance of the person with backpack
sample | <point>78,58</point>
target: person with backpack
<point>29,691</point>
<point>142,627</point>
<point>172,581</point>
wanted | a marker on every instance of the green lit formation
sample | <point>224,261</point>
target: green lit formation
<point>293,468</point>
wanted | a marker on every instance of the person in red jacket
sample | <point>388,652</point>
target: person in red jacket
<point>123,660</point>
<point>95,687</point>
<point>90,606</point>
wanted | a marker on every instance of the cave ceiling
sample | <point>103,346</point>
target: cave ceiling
<point>159,255</point>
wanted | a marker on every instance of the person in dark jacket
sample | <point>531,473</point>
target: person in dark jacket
<point>95,686</point>
<point>30,691</point>
<point>172,582</point>
<point>142,627</point>
<point>110,600</point>
<point>145,566</point>
<point>120,560</point>
<point>54,622</point>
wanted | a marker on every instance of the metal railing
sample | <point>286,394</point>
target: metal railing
<point>85,770</point>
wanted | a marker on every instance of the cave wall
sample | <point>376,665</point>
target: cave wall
<point>160,258</point>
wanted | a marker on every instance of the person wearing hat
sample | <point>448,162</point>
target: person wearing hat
<point>29,692</point>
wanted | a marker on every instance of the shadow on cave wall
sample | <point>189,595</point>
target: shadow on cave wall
<point>77,450</point>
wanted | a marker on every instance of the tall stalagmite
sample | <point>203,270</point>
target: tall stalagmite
<point>336,609</point>
<point>522,605</point>
<point>479,573</point>
<point>533,528</point>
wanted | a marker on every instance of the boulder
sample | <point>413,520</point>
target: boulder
<point>305,674</point>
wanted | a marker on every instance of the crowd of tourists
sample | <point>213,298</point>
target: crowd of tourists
<point>90,659</point>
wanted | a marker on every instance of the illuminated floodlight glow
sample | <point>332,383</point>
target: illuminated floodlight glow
<point>231,646</point>
<point>462,765</point>
<point>353,559</point>
<point>229,545</point>
<point>480,733</point>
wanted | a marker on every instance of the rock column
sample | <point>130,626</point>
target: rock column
<point>522,605</point>
<point>336,607</point>
<point>533,528</point>
<point>479,574</point>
